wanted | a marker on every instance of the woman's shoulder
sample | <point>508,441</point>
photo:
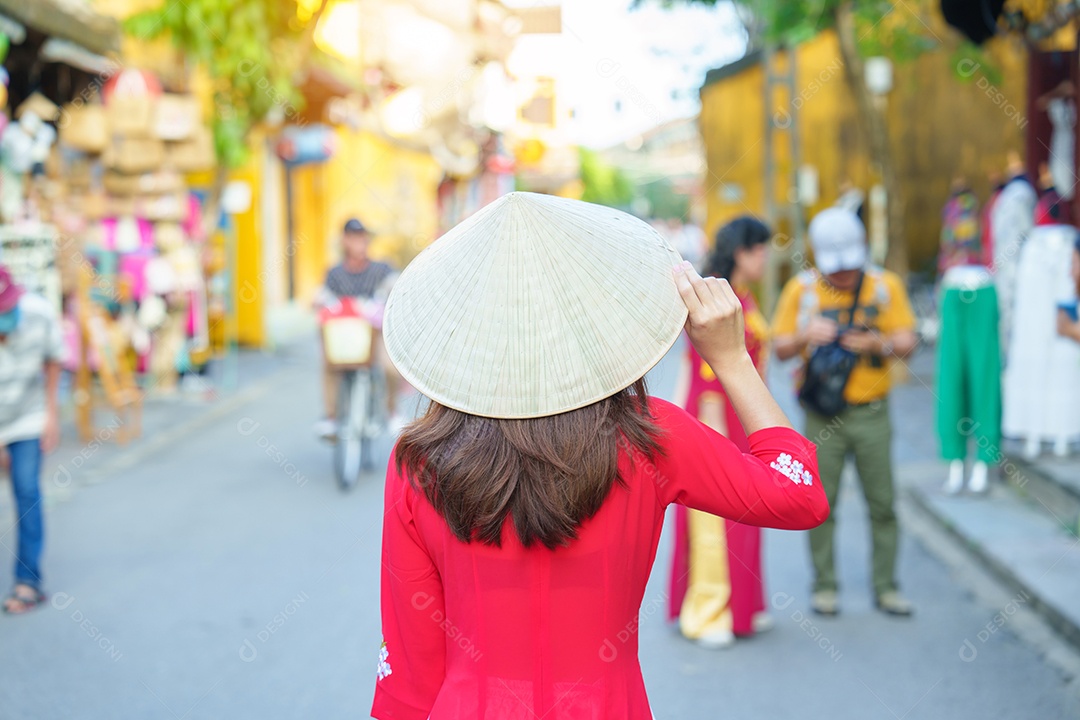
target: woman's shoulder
<point>398,488</point>
<point>667,415</point>
<point>660,406</point>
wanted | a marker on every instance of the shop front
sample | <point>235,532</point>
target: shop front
<point>96,213</point>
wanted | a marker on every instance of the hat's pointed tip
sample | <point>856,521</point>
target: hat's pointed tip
<point>515,196</point>
<point>516,200</point>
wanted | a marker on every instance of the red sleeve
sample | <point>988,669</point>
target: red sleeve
<point>412,660</point>
<point>775,485</point>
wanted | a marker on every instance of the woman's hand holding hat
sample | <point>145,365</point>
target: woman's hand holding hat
<point>715,327</point>
<point>715,320</point>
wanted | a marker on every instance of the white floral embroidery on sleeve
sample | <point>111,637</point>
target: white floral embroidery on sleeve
<point>792,469</point>
<point>384,663</point>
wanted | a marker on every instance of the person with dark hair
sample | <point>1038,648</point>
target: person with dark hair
<point>359,277</point>
<point>523,510</point>
<point>716,581</point>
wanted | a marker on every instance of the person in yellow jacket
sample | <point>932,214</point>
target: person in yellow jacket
<point>812,312</point>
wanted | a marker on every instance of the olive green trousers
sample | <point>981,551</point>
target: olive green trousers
<point>865,432</point>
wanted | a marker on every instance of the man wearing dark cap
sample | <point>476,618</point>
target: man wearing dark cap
<point>31,345</point>
<point>356,276</point>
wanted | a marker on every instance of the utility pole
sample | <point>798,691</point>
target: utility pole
<point>783,211</point>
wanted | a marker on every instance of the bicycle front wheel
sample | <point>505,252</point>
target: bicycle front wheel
<point>349,450</point>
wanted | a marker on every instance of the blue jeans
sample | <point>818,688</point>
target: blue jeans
<point>25,481</point>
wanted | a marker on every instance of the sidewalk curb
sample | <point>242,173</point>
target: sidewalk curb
<point>1028,624</point>
<point>1066,628</point>
<point>1035,483</point>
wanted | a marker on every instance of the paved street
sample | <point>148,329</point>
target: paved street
<point>219,573</point>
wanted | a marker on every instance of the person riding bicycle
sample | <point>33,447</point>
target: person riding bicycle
<point>356,276</point>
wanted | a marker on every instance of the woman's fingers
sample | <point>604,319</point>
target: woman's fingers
<point>707,299</point>
<point>716,292</point>
<point>714,324</point>
<point>700,285</point>
<point>722,298</point>
<point>685,279</point>
<point>727,296</point>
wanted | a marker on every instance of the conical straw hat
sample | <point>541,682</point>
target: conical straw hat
<point>533,306</point>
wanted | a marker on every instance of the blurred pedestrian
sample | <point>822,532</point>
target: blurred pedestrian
<point>716,578</point>
<point>31,346</point>
<point>359,277</point>
<point>845,316</point>
<point>523,510</point>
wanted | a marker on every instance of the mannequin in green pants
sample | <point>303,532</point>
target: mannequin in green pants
<point>969,375</point>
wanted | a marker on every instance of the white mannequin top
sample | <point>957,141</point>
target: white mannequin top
<point>967,277</point>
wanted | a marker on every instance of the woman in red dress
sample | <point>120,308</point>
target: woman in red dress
<point>716,589</point>
<point>524,509</point>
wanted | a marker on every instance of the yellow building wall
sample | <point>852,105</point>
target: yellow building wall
<point>310,230</point>
<point>248,296</point>
<point>940,127</point>
<point>732,124</point>
<point>391,189</point>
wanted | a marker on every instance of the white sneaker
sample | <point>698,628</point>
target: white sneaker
<point>1032,448</point>
<point>719,640</point>
<point>326,429</point>
<point>955,483</point>
<point>762,622</point>
<point>977,483</point>
<point>1061,447</point>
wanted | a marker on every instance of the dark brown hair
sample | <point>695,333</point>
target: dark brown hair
<point>549,474</point>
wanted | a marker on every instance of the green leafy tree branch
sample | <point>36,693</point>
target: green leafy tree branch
<point>251,50</point>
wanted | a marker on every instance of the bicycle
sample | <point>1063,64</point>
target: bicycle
<point>359,423</point>
<point>348,336</point>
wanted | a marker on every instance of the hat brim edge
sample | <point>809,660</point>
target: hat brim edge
<point>424,388</point>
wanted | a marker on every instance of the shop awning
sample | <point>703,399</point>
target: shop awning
<point>72,20</point>
<point>69,53</point>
